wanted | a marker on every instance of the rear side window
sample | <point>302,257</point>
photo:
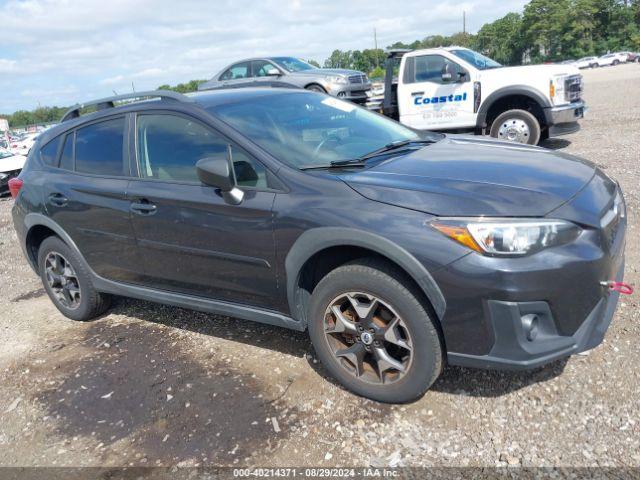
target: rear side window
<point>49,153</point>
<point>66,158</point>
<point>100,147</point>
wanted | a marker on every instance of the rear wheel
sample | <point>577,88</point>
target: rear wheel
<point>616,62</point>
<point>518,126</point>
<point>67,281</point>
<point>373,334</point>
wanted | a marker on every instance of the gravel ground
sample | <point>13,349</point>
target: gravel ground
<point>155,385</point>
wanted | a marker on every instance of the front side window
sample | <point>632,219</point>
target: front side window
<point>430,68</point>
<point>303,129</point>
<point>100,147</point>
<point>169,146</point>
<point>262,67</point>
<point>292,64</point>
<point>236,72</point>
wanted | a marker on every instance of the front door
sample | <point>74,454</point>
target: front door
<point>435,93</point>
<point>192,241</point>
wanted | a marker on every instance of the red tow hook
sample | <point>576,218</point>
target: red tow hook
<point>620,287</point>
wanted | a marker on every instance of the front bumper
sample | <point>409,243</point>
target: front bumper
<point>490,301</point>
<point>512,349</point>
<point>563,120</point>
<point>356,92</point>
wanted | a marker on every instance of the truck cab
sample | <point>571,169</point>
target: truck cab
<point>457,89</point>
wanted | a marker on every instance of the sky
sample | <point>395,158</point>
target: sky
<point>60,52</point>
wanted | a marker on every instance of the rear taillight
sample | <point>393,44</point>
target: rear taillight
<point>15,184</point>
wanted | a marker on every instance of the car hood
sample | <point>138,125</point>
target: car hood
<point>460,176</point>
<point>526,72</point>
<point>10,164</point>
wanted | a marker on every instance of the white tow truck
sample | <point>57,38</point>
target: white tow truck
<point>457,89</point>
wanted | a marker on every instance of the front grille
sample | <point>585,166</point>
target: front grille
<point>358,79</point>
<point>573,88</point>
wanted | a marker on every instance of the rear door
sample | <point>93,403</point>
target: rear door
<point>85,194</point>
<point>190,239</point>
<point>434,92</point>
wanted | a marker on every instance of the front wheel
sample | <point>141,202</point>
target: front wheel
<point>518,126</point>
<point>373,334</point>
<point>315,88</point>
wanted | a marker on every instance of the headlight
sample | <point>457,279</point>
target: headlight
<point>339,80</point>
<point>556,89</point>
<point>508,236</point>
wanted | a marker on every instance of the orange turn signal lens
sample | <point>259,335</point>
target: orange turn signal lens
<point>459,234</point>
<point>552,89</point>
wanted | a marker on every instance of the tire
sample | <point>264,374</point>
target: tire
<point>616,62</point>
<point>89,303</point>
<point>595,65</point>
<point>526,128</point>
<point>416,328</point>
<point>315,88</point>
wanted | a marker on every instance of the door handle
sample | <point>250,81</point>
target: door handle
<point>143,207</point>
<point>58,199</point>
<point>417,93</point>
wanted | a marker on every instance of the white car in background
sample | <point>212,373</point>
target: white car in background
<point>586,62</point>
<point>611,59</point>
<point>24,144</point>
<point>10,166</point>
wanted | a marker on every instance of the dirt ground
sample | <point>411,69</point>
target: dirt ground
<point>153,385</point>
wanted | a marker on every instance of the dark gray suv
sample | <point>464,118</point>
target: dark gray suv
<point>398,251</point>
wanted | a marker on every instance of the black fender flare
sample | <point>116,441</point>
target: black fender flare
<point>37,219</point>
<point>317,239</point>
<point>525,90</point>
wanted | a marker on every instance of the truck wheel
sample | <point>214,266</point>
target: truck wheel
<point>517,126</point>
<point>315,88</point>
<point>372,333</point>
<point>616,62</point>
<point>67,282</point>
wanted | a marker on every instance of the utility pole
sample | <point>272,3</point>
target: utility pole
<point>464,21</point>
<point>375,45</point>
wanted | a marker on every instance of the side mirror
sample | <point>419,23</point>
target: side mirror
<point>218,172</point>
<point>273,72</point>
<point>447,74</point>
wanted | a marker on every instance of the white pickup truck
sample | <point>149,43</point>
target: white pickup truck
<point>457,89</point>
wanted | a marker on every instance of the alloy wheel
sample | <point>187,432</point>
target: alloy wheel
<point>368,338</point>
<point>62,280</point>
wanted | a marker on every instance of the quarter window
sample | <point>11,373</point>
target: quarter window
<point>49,153</point>
<point>99,148</point>
<point>238,71</point>
<point>169,146</point>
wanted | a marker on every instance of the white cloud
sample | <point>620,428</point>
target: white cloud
<point>105,45</point>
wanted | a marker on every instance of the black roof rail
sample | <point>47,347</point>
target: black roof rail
<point>109,102</point>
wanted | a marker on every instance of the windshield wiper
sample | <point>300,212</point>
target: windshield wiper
<point>361,161</point>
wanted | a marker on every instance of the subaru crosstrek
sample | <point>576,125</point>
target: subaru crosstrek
<point>399,251</point>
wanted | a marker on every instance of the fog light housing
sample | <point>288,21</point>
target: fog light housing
<point>342,94</point>
<point>530,326</point>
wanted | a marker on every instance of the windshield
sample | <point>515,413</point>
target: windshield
<point>476,59</point>
<point>304,129</point>
<point>292,64</point>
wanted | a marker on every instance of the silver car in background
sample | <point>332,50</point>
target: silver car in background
<point>292,72</point>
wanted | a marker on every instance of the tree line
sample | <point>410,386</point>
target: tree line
<point>547,30</point>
